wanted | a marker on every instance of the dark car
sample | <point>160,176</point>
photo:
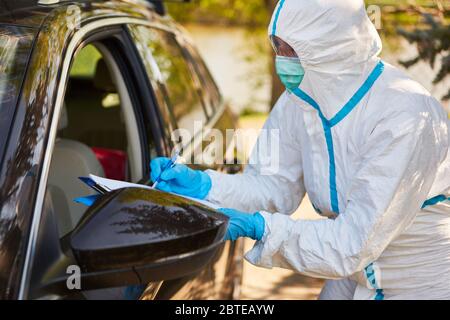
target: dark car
<point>97,87</point>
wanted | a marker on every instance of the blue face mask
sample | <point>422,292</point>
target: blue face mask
<point>290,71</point>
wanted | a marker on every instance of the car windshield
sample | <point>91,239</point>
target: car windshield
<point>15,47</point>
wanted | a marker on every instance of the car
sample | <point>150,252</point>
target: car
<point>98,87</point>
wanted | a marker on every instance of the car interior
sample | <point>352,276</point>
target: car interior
<point>97,133</point>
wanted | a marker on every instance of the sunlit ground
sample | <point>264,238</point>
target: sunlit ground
<point>260,283</point>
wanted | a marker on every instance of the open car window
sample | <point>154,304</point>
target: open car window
<point>97,133</point>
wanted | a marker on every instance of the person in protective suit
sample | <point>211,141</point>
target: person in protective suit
<point>369,145</point>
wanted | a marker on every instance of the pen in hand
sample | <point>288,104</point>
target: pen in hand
<point>172,162</point>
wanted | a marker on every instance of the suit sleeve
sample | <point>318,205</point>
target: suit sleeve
<point>273,179</point>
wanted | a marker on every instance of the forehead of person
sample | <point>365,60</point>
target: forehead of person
<point>329,36</point>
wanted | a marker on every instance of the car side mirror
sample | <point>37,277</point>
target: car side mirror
<point>135,236</point>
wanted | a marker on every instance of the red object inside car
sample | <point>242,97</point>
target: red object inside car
<point>114,163</point>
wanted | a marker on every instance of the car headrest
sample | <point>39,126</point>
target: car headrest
<point>102,77</point>
<point>63,118</point>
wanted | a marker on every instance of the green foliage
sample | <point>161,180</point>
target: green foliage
<point>249,111</point>
<point>257,12</point>
<point>85,63</point>
<point>432,42</point>
<point>230,12</point>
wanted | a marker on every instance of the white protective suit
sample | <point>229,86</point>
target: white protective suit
<point>369,166</point>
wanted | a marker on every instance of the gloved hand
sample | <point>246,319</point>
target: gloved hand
<point>180,179</point>
<point>244,225</point>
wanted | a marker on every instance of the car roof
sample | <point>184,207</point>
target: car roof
<point>32,13</point>
<point>23,12</point>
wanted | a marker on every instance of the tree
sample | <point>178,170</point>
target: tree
<point>432,41</point>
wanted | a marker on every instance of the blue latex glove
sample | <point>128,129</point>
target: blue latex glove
<point>244,225</point>
<point>180,179</point>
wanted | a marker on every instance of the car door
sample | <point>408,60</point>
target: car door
<point>173,71</point>
<point>101,130</point>
<point>93,120</point>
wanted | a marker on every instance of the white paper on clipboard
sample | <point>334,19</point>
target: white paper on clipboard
<point>111,184</point>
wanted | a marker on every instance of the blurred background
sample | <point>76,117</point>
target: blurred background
<point>232,38</point>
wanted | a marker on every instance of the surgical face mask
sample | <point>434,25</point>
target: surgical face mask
<point>290,71</point>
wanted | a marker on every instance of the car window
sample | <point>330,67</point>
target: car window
<point>158,87</point>
<point>210,90</point>
<point>15,49</point>
<point>97,133</point>
<point>185,102</point>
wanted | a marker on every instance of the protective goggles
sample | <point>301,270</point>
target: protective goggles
<point>281,48</point>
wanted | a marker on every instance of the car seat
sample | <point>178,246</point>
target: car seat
<point>71,159</point>
<point>114,163</point>
<point>103,128</point>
